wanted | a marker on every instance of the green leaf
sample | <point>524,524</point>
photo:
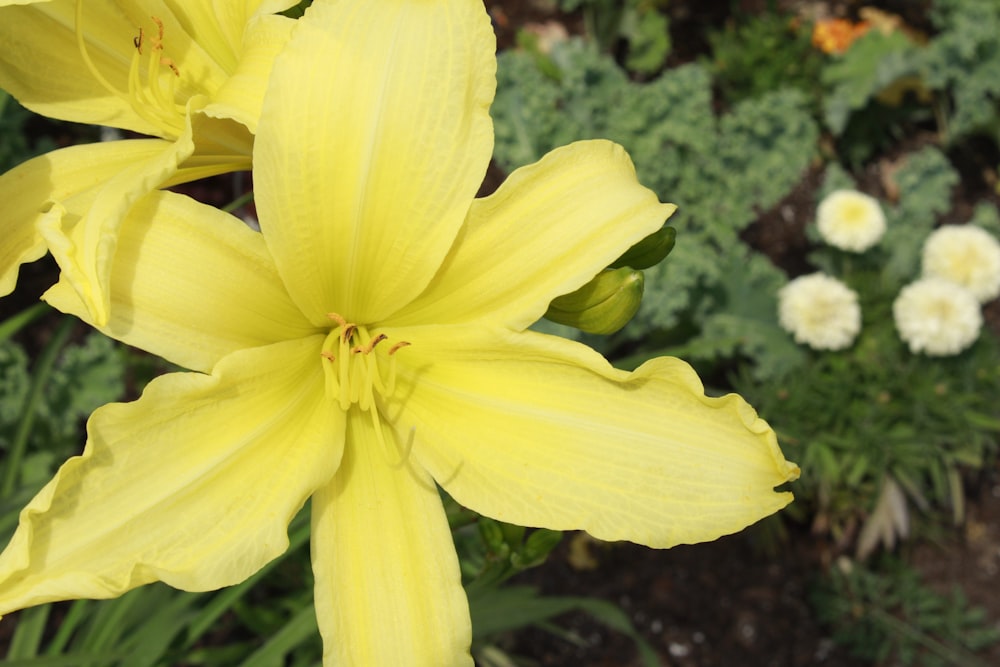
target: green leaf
<point>873,63</point>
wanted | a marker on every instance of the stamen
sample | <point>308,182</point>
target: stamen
<point>380,436</point>
<point>158,42</point>
<point>367,349</point>
<point>343,376</point>
<point>397,346</point>
<point>358,372</point>
<point>151,101</point>
<point>82,47</point>
<point>158,46</point>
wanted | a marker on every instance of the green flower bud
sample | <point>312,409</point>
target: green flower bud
<point>650,251</point>
<point>602,306</point>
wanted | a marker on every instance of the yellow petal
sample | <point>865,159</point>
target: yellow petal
<point>191,284</point>
<point>540,431</point>
<point>374,137</point>
<point>548,230</point>
<point>241,96</point>
<point>84,243</point>
<point>61,174</point>
<point>42,65</point>
<point>218,25</point>
<point>193,484</point>
<point>388,586</point>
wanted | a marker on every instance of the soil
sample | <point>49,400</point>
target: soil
<point>743,599</point>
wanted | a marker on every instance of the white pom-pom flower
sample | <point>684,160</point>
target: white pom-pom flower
<point>937,317</point>
<point>967,255</point>
<point>850,220</point>
<point>820,311</point>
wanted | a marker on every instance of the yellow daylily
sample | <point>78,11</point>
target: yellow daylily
<point>370,345</point>
<point>191,73</point>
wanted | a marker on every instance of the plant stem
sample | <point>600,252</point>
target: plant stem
<point>40,376</point>
<point>15,323</point>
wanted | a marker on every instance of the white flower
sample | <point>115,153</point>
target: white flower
<point>966,255</point>
<point>937,317</point>
<point>820,311</point>
<point>850,220</point>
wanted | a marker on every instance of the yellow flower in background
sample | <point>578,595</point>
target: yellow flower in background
<point>966,255</point>
<point>937,317</point>
<point>190,73</point>
<point>370,345</point>
<point>850,220</point>
<point>820,311</point>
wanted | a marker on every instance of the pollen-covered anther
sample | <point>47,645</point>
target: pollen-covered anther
<point>366,349</point>
<point>401,344</point>
<point>151,99</point>
<point>158,46</point>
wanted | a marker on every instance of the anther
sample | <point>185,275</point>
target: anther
<point>397,346</point>
<point>170,63</point>
<point>366,349</point>
<point>137,42</point>
<point>158,44</point>
<point>329,356</point>
<point>338,319</point>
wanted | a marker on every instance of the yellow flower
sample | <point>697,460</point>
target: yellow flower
<point>850,220</point>
<point>820,311</point>
<point>966,255</point>
<point>192,74</point>
<point>937,317</point>
<point>370,345</point>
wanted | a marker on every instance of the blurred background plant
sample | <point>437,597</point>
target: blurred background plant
<point>887,438</point>
<point>748,126</point>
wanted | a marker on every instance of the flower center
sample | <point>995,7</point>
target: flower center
<point>151,85</point>
<point>358,365</point>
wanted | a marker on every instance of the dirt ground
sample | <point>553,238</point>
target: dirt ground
<point>741,600</point>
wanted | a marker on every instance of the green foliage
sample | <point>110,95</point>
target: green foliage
<point>764,53</point>
<point>639,23</point>
<point>873,63</point>
<point>15,146</point>
<point>873,93</point>
<point>851,418</point>
<point>512,607</point>
<point>490,552</point>
<point>875,411</point>
<point>960,64</point>
<point>158,626</point>
<point>887,615</point>
<point>741,324</point>
<point>726,168</point>
<point>86,376</point>
<point>964,59</point>
<point>925,181</point>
